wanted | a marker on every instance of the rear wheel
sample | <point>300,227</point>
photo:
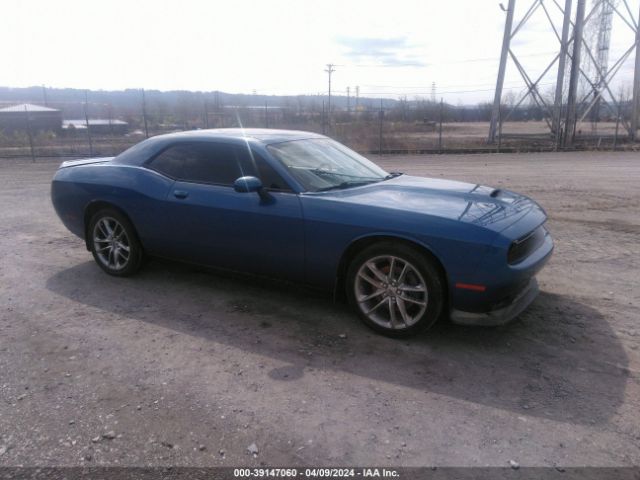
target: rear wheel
<point>114,243</point>
<point>395,289</point>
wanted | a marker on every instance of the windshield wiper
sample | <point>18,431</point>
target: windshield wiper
<point>343,185</point>
<point>393,175</point>
<point>320,171</point>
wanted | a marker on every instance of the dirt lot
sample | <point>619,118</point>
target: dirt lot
<point>186,367</point>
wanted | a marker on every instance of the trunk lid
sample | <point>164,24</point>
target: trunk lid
<point>85,161</point>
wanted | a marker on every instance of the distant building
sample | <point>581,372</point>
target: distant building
<point>27,116</point>
<point>96,125</point>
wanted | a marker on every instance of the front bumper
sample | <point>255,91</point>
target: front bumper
<point>502,315</point>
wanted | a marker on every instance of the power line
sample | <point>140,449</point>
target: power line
<point>446,92</point>
<point>450,62</point>
<point>446,86</point>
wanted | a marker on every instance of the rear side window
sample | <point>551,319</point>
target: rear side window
<point>200,162</point>
<point>215,163</point>
<point>171,161</point>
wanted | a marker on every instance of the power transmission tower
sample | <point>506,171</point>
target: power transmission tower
<point>357,96</point>
<point>572,45</point>
<point>600,84</point>
<point>600,33</point>
<point>329,71</point>
<point>570,122</point>
<point>433,92</point>
<point>636,87</point>
<point>506,42</point>
<point>556,121</point>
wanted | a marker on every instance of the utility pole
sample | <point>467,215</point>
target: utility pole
<point>357,96</point>
<point>110,111</point>
<point>144,115</point>
<point>570,122</point>
<point>329,71</point>
<point>44,95</point>
<point>506,41</point>
<point>635,107</point>
<point>440,127</point>
<point>564,51</point>
<point>86,119</point>
<point>615,138</point>
<point>348,100</point>
<point>381,118</point>
<point>29,133</point>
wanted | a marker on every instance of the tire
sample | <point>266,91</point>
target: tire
<point>408,302</point>
<point>110,235</point>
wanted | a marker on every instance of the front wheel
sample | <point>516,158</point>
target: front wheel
<point>114,243</point>
<point>396,289</point>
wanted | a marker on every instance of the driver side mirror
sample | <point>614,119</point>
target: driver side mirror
<point>247,185</point>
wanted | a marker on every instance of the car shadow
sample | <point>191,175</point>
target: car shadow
<point>560,360</point>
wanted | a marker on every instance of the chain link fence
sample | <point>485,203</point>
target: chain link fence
<point>89,126</point>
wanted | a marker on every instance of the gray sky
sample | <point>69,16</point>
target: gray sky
<point>277,46</point>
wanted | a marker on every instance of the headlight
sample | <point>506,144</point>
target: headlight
<point>526,245</point>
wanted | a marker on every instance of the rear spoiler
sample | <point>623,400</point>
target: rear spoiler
<point>85,161</point>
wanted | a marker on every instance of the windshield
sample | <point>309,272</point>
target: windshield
<point>322,164</point>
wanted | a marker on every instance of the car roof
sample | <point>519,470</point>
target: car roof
<point>140,152</point>
<point>263,135</point>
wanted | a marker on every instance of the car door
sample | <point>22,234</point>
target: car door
<point>211,223</point>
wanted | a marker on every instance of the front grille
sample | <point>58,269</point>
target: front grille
<point>525,246</point>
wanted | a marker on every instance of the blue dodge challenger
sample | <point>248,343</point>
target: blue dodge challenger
<point>299,206</point>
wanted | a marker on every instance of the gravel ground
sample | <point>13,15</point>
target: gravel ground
<point>177,366</point>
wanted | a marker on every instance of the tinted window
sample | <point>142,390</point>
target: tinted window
<point>215,163</point>
<point>201,162</point>
<point>269,177</point>
<point>171,161</point>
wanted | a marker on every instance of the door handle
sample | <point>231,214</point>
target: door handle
<point>180,194</point>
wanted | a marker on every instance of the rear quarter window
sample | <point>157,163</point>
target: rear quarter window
<point>170,162</point>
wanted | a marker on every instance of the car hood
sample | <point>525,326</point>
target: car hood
<point>475,204</point>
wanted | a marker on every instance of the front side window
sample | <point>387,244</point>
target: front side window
<point>215,163</point>
<point>323,164</point>
<point>271,179</point>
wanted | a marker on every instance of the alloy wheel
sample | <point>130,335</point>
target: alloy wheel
<point>111,243</point>
<point>391,292</point>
